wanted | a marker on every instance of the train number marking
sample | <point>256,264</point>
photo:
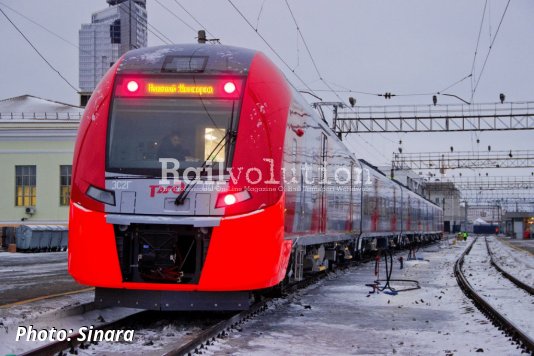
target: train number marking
<point>120,184</point>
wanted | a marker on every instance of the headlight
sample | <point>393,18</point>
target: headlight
<point>226,199</point>
<point>103,196</point>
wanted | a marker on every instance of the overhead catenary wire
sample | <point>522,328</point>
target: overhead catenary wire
<point>321,78</point>
<point>269,45</point>
<point>476,47</point>
<point>41,26</point>
<point>489,50</point>
<point>259,15</point>
<point>194,19</point>
<point>319,74</point>
<point>280,57</point>
<point>176,16</point>
<point>165,39</point>
<point>149,27</point>
<point>455,83</point>
<point>348,90</point>
<point>39,53</point>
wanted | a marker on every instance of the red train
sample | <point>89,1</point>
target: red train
<point>264,190</point>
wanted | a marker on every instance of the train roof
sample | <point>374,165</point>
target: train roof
<point>187,58</point>
<point>372,166</point>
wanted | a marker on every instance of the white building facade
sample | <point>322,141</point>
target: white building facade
<point>36,146</point>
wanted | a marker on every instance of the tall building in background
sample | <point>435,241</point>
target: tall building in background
<point>111,33</point>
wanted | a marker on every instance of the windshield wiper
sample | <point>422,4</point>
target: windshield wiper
<point>191,184</point>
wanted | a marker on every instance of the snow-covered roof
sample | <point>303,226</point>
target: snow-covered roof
<point>480,221</point>
<point>29,107</point>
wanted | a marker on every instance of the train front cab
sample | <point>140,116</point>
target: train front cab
<point>127,235</point>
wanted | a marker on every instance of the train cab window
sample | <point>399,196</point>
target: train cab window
<point>212,151</point>
<point>144,130</point>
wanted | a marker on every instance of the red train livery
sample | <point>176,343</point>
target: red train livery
<point>200,175</point>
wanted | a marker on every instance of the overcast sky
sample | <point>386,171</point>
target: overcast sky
<point>402,47</point>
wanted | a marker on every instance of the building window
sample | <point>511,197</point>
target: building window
<point>65,174</point>
<point>25,186</point>
<point>115,31</point>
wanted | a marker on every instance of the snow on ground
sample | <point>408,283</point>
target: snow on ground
<point>336,316</point>
<point>45,313</point>
<point>518,263</point>
<point>8,343</point>
<point>525,244</point>
<point>30,275</point>
<point>514,303</point>
<point>339,317</point>
<point>159,335</point>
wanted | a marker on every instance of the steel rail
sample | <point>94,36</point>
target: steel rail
<point>517,282</point>
<point>208,336</point>
<point>59,347</point>
<point>493,314</point>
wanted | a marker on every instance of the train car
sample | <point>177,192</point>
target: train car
<point>200,175</point>
<point>381,201</point>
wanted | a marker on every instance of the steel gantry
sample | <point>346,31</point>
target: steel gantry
<point>504,205</point>
<point>496,195</point>
<point>493,183</point>
<point>434,118</point>
<point>463,159</point>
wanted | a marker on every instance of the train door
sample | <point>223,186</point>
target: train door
<point>393,209</point>
<point>350,220</point>
<point>322,195</point>
<point>294,203</point>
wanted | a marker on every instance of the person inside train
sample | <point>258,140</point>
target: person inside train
<point>171,147</point>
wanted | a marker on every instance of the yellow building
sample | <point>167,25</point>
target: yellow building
<point>36,146</point>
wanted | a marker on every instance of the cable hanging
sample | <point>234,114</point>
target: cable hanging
<point>39,53</point>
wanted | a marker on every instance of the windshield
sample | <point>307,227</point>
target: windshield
<point>144,130</point>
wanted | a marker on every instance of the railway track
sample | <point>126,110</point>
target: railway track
<point>507,275</point>
<point>60,347</point>
<point>192,345</point>
<point>487,309</point>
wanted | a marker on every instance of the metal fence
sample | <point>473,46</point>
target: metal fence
<point>74,116</point>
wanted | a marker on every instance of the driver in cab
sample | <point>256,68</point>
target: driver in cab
<point>171,147</point>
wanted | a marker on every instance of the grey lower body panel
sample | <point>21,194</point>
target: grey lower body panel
<point>380,234</point>
<point>321,239</point>
<point>196,221</point>
<point>170,300</point>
